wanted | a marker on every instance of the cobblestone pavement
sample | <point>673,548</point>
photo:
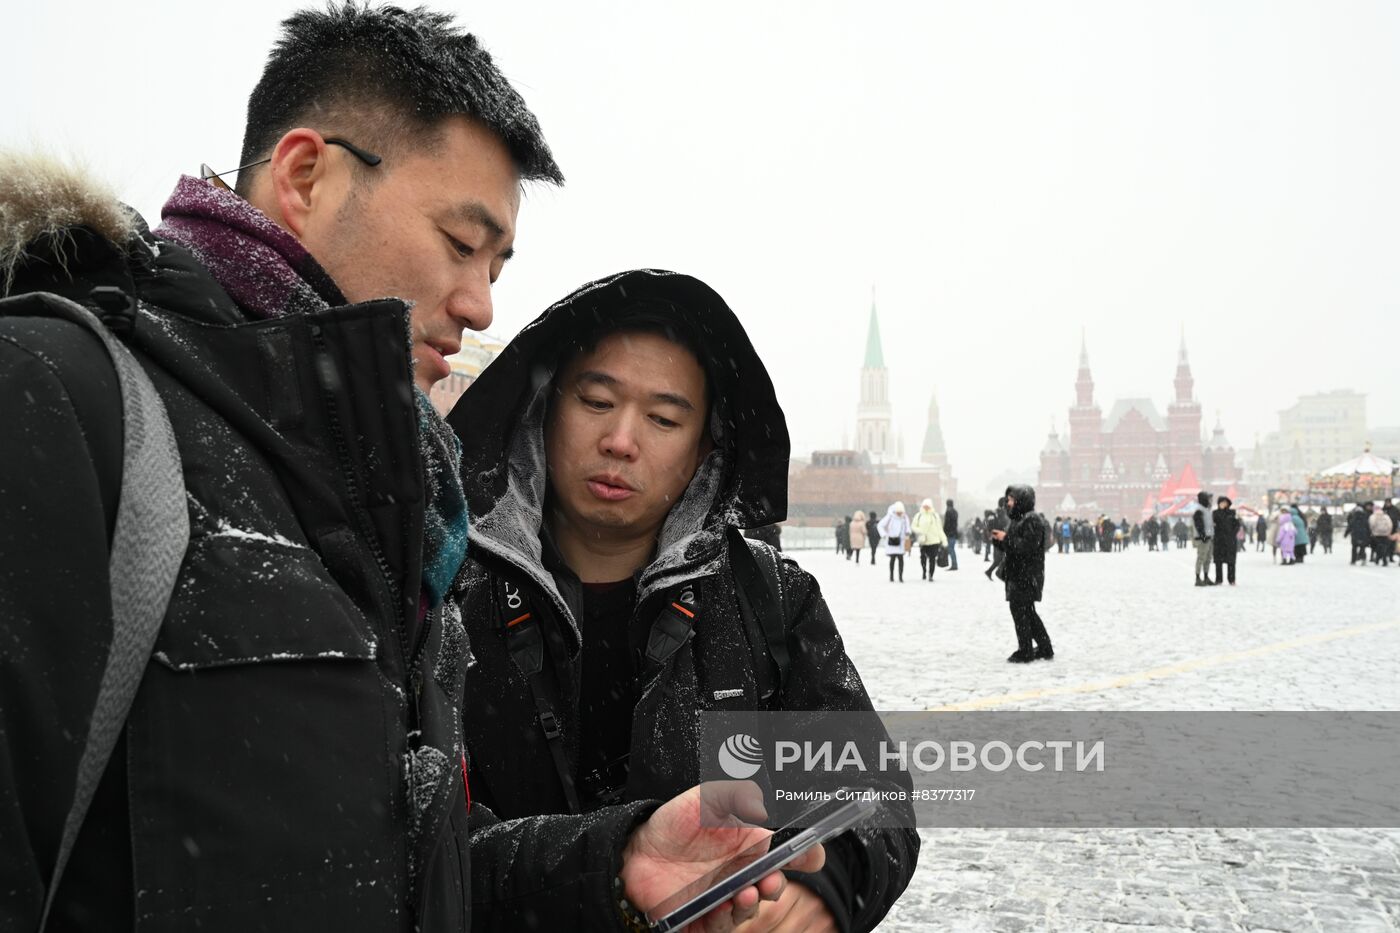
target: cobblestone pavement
<point>1132,633</point>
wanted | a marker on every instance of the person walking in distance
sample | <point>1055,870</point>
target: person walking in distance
<point>929,536</point>
<point>872,534</point>
<point>857,542</point>
<point>1204,525</point>
<point>1324,530</point>
<point>1287,538</point>
<point>894,532</point>
<point>1024,543</point>
<point>950,531</point>
<point>1382,527</point>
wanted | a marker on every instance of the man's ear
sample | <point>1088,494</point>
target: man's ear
<point>298,166</point>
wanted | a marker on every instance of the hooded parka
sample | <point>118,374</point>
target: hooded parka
<point>858,531</point>
<point>1025,548</point>
<point>514,569</point>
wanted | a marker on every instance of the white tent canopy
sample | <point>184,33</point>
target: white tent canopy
<point>1367,463</point>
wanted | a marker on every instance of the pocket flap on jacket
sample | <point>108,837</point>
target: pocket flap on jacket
<point>250,601</point>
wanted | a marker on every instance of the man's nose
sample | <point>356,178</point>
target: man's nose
<point>621,438</point>
<point>470,302</point>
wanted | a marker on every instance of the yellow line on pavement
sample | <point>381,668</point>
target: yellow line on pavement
<point>1170,670</point>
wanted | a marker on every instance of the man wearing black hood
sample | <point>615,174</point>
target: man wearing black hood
<point>1024,544</point>
<point>1204,524</point>
<point>612,453</point>
<point>1226,547</point>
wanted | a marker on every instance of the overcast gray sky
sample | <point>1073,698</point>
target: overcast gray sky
<point>1005,173</point>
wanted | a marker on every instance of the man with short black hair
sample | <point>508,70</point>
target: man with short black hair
<point>609,596</point>
<point>292,758</point>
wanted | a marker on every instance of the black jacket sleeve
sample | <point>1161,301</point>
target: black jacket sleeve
<point>1198,520</point>
<point>866,869</point>
<point>549,872</point>
<point>60,466</point>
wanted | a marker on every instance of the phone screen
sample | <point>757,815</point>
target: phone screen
<point>811,828</point>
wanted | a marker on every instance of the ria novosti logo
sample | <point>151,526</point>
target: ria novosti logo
<point>741,756</point>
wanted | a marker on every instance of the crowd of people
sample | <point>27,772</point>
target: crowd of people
<point>896,534</point>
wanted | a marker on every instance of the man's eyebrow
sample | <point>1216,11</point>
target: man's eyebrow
<point>477,215</point>
<point>670,398</point>
<point>596,377</point>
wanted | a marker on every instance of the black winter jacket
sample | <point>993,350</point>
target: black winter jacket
<point>1227,524</point>
<point>293,759</point>
<point>743,483</point>
<point>1025,548</point>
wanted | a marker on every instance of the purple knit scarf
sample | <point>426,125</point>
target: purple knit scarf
<point>261,266</point>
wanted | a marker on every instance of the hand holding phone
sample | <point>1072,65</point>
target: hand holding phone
<point>694,834</point>
<point>790,847</point>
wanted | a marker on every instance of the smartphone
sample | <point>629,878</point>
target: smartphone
<point>811,828</point>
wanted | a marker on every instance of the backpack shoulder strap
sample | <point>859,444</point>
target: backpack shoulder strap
<point>148,545</point>
<point>762,604</point>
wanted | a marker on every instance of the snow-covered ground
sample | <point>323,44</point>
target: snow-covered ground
<point>1132,633</point>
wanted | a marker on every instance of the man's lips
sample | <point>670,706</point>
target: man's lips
<point>609,489</point>
<point>436,359</point>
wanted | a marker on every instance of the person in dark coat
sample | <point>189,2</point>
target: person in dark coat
<point>1227,526</point>
<point>872,533</point>
<point>293,757</point>
<point>996,521</point>
<point>1261,532</point>
<point>950,529</point>
<point>1392,509</point>
<point>1024,543</point>
<point>1358,529</point>
<point>1324,530</point>
<point>641,429</point>
<point>843,535</point>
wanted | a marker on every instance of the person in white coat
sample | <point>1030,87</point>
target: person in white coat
<point>894,536</point>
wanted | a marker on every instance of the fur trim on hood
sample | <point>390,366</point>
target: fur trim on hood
<point>42,200</point>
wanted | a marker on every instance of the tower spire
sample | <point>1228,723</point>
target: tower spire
<point>874,351</point>
<point>1084,385</point>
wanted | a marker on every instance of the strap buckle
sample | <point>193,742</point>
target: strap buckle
<point>550,723</point>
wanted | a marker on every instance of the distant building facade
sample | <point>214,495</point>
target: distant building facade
<point>835,483</point>
<point>1114,464</point>
<point>478,350</point>
<point>1316,432</point>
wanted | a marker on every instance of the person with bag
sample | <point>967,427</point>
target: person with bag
<point>928,534</point>
<point>231,522</point>
<point>609,596</point>
<point>895,537</point>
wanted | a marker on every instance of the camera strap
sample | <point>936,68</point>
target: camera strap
<point>525,642</point>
